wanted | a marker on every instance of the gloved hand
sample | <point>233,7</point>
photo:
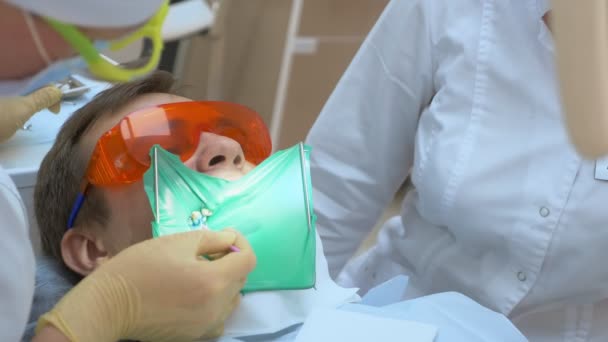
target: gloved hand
<point>16,111</point>
<point>158,290</point>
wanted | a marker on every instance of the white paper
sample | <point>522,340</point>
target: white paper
<point>389,292</point>
<point>338,325</point>
<point>269,312</point>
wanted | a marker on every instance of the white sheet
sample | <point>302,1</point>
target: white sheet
<point>361,327</point>
<point>269,312</point>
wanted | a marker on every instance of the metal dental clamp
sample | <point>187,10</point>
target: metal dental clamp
<point>72,88</point>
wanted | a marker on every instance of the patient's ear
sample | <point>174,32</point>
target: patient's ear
<point>83,251</point>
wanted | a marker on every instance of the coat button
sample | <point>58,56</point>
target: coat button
<point>521,276</point>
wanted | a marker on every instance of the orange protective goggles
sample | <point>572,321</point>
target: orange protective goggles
<point>121,155</point>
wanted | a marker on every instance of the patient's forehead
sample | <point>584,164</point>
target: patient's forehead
<point>108,121</point>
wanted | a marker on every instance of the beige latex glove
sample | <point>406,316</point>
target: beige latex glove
<point>158,290</point>
<point>16,111</point>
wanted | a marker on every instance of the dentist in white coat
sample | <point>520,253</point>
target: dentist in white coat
<point>462,95</point>
<point>121,284</point>
<point>22,63</point>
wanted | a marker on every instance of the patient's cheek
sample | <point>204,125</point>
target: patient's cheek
<point>120,239</point>
<point>131,217</point>
<point>143,232</point>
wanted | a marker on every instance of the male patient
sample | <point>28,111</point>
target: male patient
<point>90,201</point>
<point>112,218</point>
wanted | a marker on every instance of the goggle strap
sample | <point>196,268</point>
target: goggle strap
<point>77,206</point>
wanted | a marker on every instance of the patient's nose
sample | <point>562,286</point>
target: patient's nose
<point>217,153</point>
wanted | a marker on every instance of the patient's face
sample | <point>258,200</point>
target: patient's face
<point>130,212</point>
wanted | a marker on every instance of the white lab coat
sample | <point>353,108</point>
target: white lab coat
<point>16,262</point>
<point>464,93</point>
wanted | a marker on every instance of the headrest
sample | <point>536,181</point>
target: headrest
<point>53,281</point>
